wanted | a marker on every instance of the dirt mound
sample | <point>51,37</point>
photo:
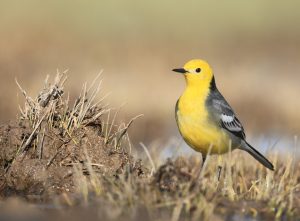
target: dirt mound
<point>174,174</point>
<point>38,153</point>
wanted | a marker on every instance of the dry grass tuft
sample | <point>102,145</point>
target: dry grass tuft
<point>178,193</point>
<point>52,140</point>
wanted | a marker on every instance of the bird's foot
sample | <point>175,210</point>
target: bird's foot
<point>219,172</point>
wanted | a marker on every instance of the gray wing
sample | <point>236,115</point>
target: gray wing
<point>224,115</point>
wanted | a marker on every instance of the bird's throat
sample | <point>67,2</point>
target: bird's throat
<point>194,97</point>
<point>199,88</point>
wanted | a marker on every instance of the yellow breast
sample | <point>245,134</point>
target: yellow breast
<point>195,125</point>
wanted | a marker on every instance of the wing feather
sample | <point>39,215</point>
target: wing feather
<point>232,124</point>
<point>223,113</point>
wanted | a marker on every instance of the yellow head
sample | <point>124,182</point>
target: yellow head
<point>196,72</point>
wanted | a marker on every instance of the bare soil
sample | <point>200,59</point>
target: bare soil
<point>50,171</point>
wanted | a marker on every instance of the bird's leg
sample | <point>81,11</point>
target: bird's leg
<point>219,167</point>
<point>203,160</point>
<point>219,172</point>
<point>200,170</point>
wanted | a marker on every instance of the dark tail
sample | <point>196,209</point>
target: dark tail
<point>258,156</point>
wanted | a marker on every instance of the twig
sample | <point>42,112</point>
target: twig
<point>150,158</point>
<point>56,153</point>
<point>28,99</point>
<point>41,146</point>
<point>51,159</point>
<point>114,118</point>
<point>29,140</point>
<point>124,131</point>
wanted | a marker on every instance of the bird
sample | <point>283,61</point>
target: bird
<point>204,118</point>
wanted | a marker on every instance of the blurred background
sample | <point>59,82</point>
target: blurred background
<point>253,47</point>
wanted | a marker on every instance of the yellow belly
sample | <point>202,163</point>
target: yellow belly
<point>202,136</point>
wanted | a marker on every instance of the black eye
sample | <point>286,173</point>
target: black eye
<point>198,70</point>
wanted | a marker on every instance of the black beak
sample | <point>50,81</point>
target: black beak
<point>180,70</point>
